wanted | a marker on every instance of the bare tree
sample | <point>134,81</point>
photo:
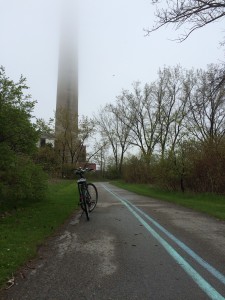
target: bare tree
<point>207,105</point>
<point>179,132</point>
<point>115,131</point>
<point>173,124</point>
<point>122,130</point>
<point>71,136</point>
<point>169,96</point>
<point>86,129</point>
<point>140,114</point>
<point>100,153</point>
<point>195,13</point>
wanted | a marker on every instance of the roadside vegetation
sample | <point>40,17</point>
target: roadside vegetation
<point>24,229</point>
<point>211,204</point>
<point>170,132</point>
<point>20,178</point>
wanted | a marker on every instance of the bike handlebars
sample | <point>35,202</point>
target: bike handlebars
<point>81,171</point>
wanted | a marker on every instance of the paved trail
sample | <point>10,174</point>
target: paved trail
<point>133,247</point>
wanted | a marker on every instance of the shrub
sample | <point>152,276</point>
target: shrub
<point>22,182</point>
<point>136,170</point>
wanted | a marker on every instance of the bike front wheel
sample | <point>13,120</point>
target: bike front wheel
<point>85,205</point>
<point>86,209</point>
<point>92,195</point>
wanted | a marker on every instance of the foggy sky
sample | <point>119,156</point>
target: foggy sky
<point>113,51</point>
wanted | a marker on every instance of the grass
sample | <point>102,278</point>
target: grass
<point>211,204</point>
<point>23,230</point>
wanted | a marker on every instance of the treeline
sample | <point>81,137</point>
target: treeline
<point>169,132</point>
<point>21,179</point>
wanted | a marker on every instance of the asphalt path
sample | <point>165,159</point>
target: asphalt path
<point>133,247</point>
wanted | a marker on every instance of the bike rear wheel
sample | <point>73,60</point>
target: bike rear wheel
<point>92,196</point>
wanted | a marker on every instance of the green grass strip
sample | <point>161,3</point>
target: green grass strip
<point>211,204</point>
<point>23,230</point>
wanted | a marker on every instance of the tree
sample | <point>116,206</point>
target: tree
<point>20,178</point>
<point>121,130</point>
<point>16,129</point>
<point>45,127</point>
<point>71,137</point>
<point>115,132</point>
<point>195,13</point>
<point>140,115</point>
<point>170,99</point>
<point>207,105</point>
<point>99,153</point>
<point>86,130</point>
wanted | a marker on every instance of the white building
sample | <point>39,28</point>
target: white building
<point>46,139</point>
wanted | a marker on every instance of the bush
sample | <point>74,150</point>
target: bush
<point>196,166</point>
<point>21,183</point>
<point>166,174</point>
<point>47,158</point>
<point>136,170</point>
<point>21,180</point>
<point>208,164</point>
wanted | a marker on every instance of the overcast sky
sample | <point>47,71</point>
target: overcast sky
<point>114,52</point>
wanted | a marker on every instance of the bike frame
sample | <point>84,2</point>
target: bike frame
<point>82,186</point>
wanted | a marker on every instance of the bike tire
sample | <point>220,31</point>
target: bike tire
<point>86,210</point>
<point>85,206</point>
<point>81,203</point>
<point>92,195</point>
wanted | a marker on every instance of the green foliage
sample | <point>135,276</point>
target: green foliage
<point>67,171</point>
<point>21,180</point>
<point>166,173</point>
<point>112,172</point>
<point>207,170</point>
<point>17,131</point>
<point>194,166</point>
<point>43,127</point>
<point>48,159</point>
<point>136,170</point>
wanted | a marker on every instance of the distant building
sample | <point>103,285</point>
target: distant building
<point>91,166</point>
<point>46,139</point>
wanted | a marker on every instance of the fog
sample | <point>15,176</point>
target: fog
<point>113,49</point>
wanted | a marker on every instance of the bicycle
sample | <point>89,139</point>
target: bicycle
<point>87,192</point>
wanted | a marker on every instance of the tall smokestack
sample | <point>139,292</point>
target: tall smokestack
<point>67,87</point>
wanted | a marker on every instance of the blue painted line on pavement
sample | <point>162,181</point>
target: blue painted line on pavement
<point>201,282</point>
<point>189,251</point>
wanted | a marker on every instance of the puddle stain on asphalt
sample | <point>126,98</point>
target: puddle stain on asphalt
<point>103,247</point>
